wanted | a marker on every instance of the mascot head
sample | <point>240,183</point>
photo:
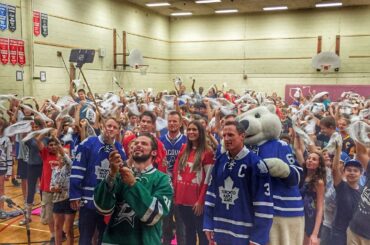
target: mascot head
<point>261,124</point>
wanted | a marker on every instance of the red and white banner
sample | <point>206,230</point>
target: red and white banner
<point>36,23</point>
<point>13,51</point>
<point>4,50</point>
<point>21,54</point>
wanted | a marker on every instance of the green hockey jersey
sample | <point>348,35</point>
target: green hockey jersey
<point>137,210</point>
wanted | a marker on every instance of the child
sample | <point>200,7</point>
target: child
<point>62,212</point>
<point>5,162</point>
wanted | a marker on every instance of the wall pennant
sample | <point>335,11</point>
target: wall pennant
<point>4,50</point>
<point>44,25</point>
<point>3,17</point>
<point>21,54</point>
<point>13,51</point>
<point>36,23</point>
<point>12,20</point>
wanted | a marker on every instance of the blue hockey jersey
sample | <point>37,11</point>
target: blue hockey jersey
<point>89,167</point>
<point>285,192</point>
<point>172,149</point>
<point>239,206</point>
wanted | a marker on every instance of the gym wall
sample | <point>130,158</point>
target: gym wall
<point>272,49</point>
<point>87,25</point>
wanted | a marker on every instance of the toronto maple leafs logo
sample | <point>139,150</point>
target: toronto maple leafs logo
<point>228,194</point>
<point>125,213</point>
<point>102,170</point>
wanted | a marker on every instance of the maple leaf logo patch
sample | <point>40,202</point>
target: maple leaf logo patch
<point>228,194</point>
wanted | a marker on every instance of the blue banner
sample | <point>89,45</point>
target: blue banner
<point>3,17</point>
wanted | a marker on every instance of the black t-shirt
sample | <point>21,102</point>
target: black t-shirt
<point>360,223</point>
<point>347,200</point>
<point>322,140</point>
<point>287,123</point>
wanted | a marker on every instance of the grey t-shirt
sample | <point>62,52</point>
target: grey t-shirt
<point>360,223</point>
<point>34,157</point>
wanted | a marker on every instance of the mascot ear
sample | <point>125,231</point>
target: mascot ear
<point>271,108</point>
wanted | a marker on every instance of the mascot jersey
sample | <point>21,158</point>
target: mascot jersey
<point>90,166</point>
<point>287,198</point>
<point>137,210</point>
<point>238,206</point>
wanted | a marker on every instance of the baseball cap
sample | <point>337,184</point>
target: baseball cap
<point>353,163</point>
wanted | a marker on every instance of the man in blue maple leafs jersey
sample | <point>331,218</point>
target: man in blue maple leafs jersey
<point>238,206</point>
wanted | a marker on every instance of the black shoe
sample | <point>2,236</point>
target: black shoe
<point>64,237</point>
<point>52,241</point>
<point>15,182</point>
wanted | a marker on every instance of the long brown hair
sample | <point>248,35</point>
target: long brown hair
<point>320,172</point>
<point>200,149</point>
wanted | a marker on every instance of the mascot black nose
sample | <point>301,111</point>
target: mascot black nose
<point>245,124</point>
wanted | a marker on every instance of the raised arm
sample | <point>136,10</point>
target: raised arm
<point>337,167</point>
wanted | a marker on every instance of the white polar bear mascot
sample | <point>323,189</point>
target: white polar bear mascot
<point>263,128</point>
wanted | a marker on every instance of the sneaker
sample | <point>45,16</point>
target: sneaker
<point>15,182</point>
<point>64,237</point>
<point>23,221</point>
<point>3,214</point>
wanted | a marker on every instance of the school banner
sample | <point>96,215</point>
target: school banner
<point>12,20</point>
<point>4,50</point>
<point>13,51</point>
<point>36,23</point>
<point>21,54</point>
<point>3,17</point>
<point>44,25</point>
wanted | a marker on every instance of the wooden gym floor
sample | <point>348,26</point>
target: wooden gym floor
<point>10,230</point>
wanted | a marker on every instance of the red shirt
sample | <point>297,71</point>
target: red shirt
<point>48,160</point>
<point>161,152</point>
<point>191,186</point>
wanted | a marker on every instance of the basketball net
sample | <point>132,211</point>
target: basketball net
<point>142,68</point>
<point>325,68</point>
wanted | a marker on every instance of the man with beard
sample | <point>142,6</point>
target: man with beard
<point>147,125</point>
<point>90,166</point>
<point>138,197</point>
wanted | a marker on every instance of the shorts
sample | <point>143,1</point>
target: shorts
<point>46,207</point>
<point>2,172</point>
<point>22,169</point>
<point>63,207</point>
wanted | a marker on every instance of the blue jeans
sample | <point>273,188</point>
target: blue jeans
<point>89,221</point>
<point>325,235</point>
<point>193,226</point>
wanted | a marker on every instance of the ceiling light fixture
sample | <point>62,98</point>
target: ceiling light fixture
<point>324,5</point>
<point>275,8</point>
<point>181,13</point>
<point>157,4</point>
<point>207,1</point>
<point>226,11</point>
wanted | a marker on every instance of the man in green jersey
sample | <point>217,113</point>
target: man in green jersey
<point>138,199</point>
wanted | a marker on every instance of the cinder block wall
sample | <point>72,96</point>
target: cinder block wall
<point>88,25</point>
<point>272,49</point>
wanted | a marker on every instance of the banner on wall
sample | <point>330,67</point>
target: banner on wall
<point>13,51</point>
<point>21,55</point>
<point>4,50</point>
<point>36,23</point>
<point>3,17</point>
<point>44,24</point>
<point>12,20</point>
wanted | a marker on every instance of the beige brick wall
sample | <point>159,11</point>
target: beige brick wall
<point>273,60</point>
<point>272,49</point>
